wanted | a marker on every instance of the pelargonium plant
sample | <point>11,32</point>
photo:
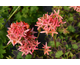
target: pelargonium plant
<point>61,46</point>
<point>20,32</point>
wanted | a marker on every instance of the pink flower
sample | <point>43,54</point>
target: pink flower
<point>46,49</point>
<point>49,23</point>
<point>16,32</point>
<point>28,46</point>
<point>57,15</point>
<point>77,8</point>
<point>25,49</point>
<point>14,41</point>
<point>29,43</point>
<point>20,32</point>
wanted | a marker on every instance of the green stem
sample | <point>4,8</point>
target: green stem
<point>7,46</point>
<point>54,41</point>
<point>11,16</point>
<point>47,56</point>
<point>40,49</point>
<point>38,34</point>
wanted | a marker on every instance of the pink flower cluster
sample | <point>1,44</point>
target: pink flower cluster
<point>20,32</point>
<point>49,23</point>
<point>77,8</point>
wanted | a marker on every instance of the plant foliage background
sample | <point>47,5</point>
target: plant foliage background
<point>68,39</point>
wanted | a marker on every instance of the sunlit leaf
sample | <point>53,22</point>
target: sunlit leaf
<point>75,46</point>
<point>71,28</point>
<point>19,56</point>
<point>58,54</point>
<point>28,56</point>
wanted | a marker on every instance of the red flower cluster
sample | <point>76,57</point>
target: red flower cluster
<point>49,23</point>
<point>19,32</point>
<point>77,8</point>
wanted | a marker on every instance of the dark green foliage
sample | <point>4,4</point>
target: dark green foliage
<point>3,36</point>
<point>2,51</point>
<point>28,14</point>
<point>1,22</point>
<point>4,11</point>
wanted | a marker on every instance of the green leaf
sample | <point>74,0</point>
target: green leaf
<point>18,16</point>
<point>27,20</point>
<point>3,36</point>
<point>76,36</point>
<point>66,7</point>
<point>71,28</point>
<point>10,46</point>
<point>61,37</point>
<point>28,56</point>
<point>51,43</point>
<point>13,8</point>
<point>57,44</point>
<point>4,11</point>
<point>19,56</point>
<point>25,9</point>
<point>74,46</point>
<point>66,53</point>
<point>70,19</point>
<point>1,22</point>
<point>71,54</point>
<point>79,24</point>
<point>33,9</point>
<point>50,52</point>
<point>2,51</point>
<point>58,54</point>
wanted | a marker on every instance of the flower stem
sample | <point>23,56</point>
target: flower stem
<point>47,56</point>
<point>13,13</point>
<point>38,34</point>
<point>54,41</point>
<point>40,49</point>
<point>7,46</point>
<point>10,16</point>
